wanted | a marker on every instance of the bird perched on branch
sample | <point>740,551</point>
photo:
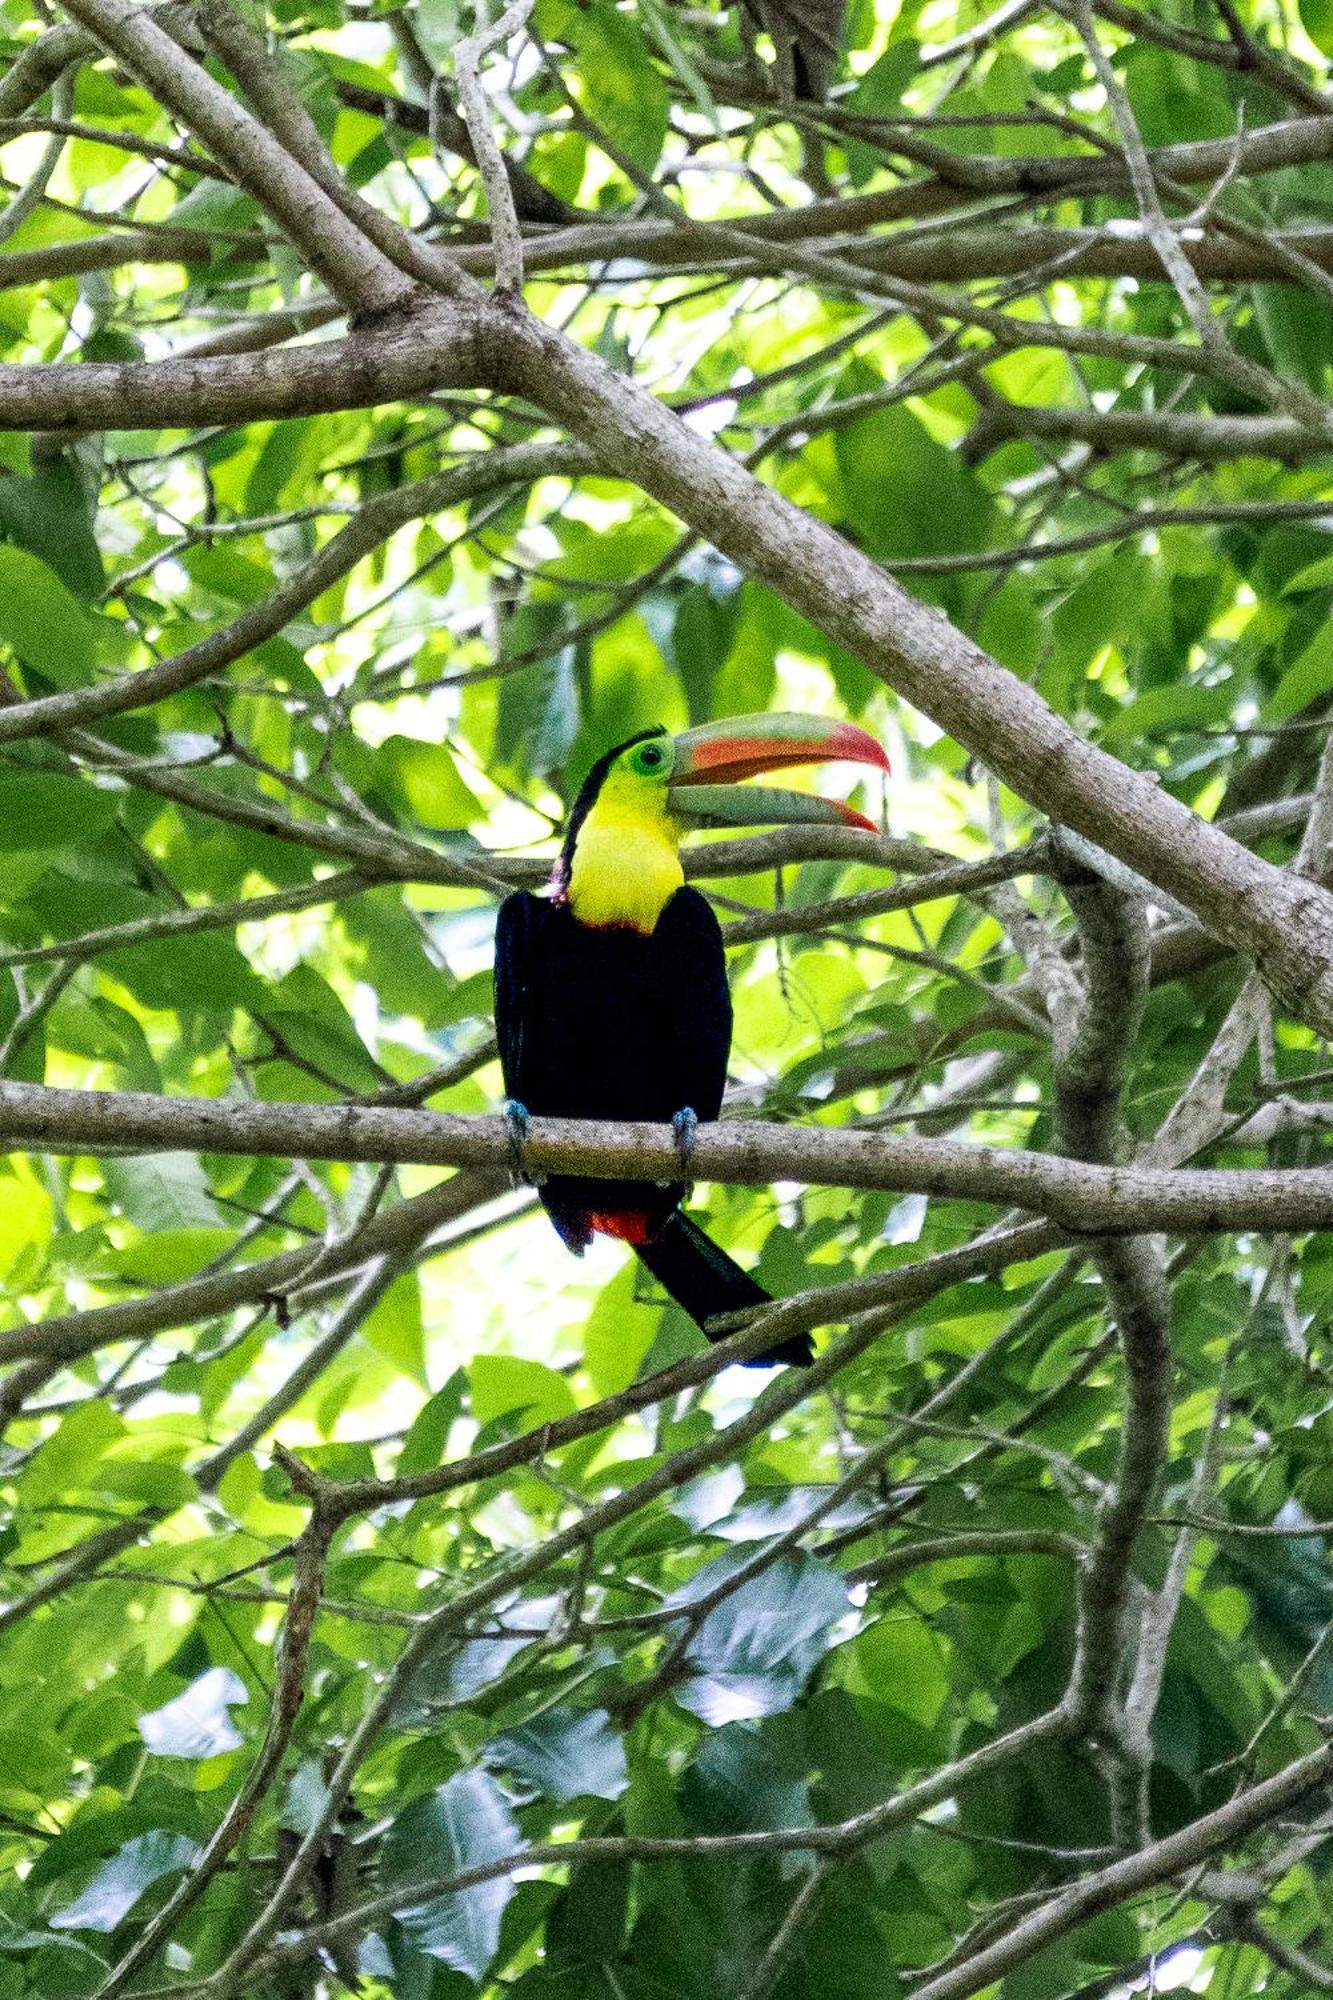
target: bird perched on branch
<point>611,995</point>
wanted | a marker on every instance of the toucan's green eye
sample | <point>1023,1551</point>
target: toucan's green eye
<point>652,760</point>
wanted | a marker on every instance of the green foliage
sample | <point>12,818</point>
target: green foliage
<point>521,1653</point>
<point>462,1825</point>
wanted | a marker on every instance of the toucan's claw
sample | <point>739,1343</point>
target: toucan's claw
<point>685,1130</point>
<point>516,1118</point>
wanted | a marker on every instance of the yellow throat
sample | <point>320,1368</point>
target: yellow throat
<point>626,863</point>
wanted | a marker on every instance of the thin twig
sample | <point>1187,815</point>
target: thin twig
<point>506,235</point>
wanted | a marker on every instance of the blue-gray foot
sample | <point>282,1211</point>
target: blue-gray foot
<point>685,1130</point>
<point>516,1118</point>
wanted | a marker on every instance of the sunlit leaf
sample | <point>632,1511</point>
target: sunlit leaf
<point>197,1723</point>
<point>120,1882</point>
<point>463,1825</point>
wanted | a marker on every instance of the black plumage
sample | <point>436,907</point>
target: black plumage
<point>609,1022</point>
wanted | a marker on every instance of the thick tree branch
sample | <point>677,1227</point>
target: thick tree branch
<point>1085,1199</point>
<point>412,353</point>
<point>1171,433</point>
<point>1093,1042</point>
<point>506,236</point>
<point>1286,926</point>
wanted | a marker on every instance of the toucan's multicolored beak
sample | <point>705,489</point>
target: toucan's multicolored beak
<point>708,759</point>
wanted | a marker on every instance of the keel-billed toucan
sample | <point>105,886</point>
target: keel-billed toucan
<point>611,995</point>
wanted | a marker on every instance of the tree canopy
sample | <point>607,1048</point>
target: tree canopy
<point>400,406</point>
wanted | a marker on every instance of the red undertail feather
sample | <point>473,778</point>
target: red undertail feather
<point>630,1225</point>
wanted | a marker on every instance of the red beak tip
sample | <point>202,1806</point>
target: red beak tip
<point>851,817</point>
<point>858,746</point>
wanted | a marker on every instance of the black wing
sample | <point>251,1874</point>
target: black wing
<point>514,927</point>
<point>697,1009</point>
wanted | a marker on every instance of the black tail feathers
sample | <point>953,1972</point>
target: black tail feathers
<point>703,1280</point>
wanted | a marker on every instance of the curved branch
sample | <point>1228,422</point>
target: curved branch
<point>372,524</point>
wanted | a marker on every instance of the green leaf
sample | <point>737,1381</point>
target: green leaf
<point>655,18</point>
<point>1315,576</point>
<point>565,1754</point>
<point>898,1662</point>
<point>908,495</point>
<point>618,1334</point>
<point>464,1824</point>
<point>27,1216</point>
<point>1306,679</point>
<point>121,1881</point>
<point>438,26</point>
<point>168,1255</point>
<point>424,1446</point>
<point>44,623</point>
<point>622,91</point>
<point>754,1651</point>
<point>45,810</point>
<point>306,1798</point>
<point>394,1328</point>
<point>72,1450</point>
<point>48,515</point>
<point>505,1382</point>
<point>227,574</point>
<point>1195,706</point>
<point>587,1922</point>
<point>162,1191</point>
<point>1298,340</point>
<point>1317,21</point>
<point>204,973</point>
<point>424,784</point>
<point>742,1782</point>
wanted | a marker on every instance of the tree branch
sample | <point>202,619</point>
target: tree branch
<point>506,237</point>
<point>1083,1199</point>
<point>371,525</point>
<point>1093,1041</point>
<point>1287,926</point>
<point>1193,1844</point>
<point>416,351</point>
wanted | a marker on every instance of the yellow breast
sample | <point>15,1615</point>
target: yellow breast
<point>625,870</point>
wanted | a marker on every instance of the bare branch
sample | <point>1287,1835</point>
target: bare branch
<point>506,236</point>
<point>1083,1199</point>
<point>284,115</point>
<point>409,355</point>
<point>1195,1843</point>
